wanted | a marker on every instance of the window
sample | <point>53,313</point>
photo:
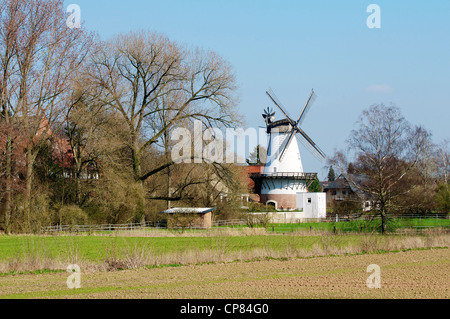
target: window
<point>309,200</point>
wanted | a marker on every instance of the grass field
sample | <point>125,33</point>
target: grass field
<point>226,263</point>
<point>138,249</point>
<point>362,225</point>
<point>97,248</point>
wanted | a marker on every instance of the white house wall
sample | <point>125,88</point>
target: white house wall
<point>316,208</point>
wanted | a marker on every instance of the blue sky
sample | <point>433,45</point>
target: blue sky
<point>294,46</point>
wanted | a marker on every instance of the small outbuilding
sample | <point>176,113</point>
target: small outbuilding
<point>314,205</point>
<point>184,217</point>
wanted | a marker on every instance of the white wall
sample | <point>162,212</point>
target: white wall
<point>291,163</point>
<point>284,186</point>
<point>314,205</point>
<point>284,217</point>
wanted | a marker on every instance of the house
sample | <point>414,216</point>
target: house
<point>338,190</point>
<point>341,190</point>
<point>62,153</point>
<point>39,130</point>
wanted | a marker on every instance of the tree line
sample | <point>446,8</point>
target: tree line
<point>394,165</point>
<point>85,124</point>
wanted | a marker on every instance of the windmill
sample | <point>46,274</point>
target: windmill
<point>295,129</point>
<point>283,177</point>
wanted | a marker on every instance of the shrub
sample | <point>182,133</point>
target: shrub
<point>71,215</point>
<point>443,197</point>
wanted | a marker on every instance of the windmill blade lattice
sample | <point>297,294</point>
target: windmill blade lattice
<point>311,146</point>
<point>287,144</point>
<point>295,127</point>
<point>275,100</point>
<point>306,108</point>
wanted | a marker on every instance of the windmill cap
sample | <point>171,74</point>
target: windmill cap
<point>283,126</point>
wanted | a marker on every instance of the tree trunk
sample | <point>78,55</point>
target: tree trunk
<point>8,189</point>
<point>136,158</point>
<point>384,222</point>
<point>169,192</point>
<point>78,190</point>
<point>28,187</point>
<point>78,172</point>
<point>169,184</point>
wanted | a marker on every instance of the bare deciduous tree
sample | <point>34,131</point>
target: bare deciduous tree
<point>144,75</point>
<point>443,160</point>
<point>40,54</point>
<point>387,149</point>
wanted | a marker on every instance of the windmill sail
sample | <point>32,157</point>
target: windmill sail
<point>311,146</point>
<point>295,128</point>
<point>275,100</point>
<point>286,146</point>
<point>306,108</point>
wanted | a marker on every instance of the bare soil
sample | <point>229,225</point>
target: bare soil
<point>414,274</point>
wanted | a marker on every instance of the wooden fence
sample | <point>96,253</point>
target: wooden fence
<point>235,222</point>
<point>128,226</point>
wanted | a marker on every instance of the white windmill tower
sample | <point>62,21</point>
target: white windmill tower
<point>283,176</point>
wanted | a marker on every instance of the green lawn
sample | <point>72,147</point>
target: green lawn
<point>97,248</point>
<point>361,225</point>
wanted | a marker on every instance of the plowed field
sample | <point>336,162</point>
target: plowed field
<point>411,274</point>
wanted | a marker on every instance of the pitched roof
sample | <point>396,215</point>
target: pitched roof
<point>342,183</point>
<point>337,184</point>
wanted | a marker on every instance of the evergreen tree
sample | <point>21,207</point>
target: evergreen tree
<point>315,187</point>
<point>258,156</point>
<point>331,174</point>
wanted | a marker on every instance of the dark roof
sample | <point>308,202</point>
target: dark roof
<point>342,183</point>
<point>337,184</point>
